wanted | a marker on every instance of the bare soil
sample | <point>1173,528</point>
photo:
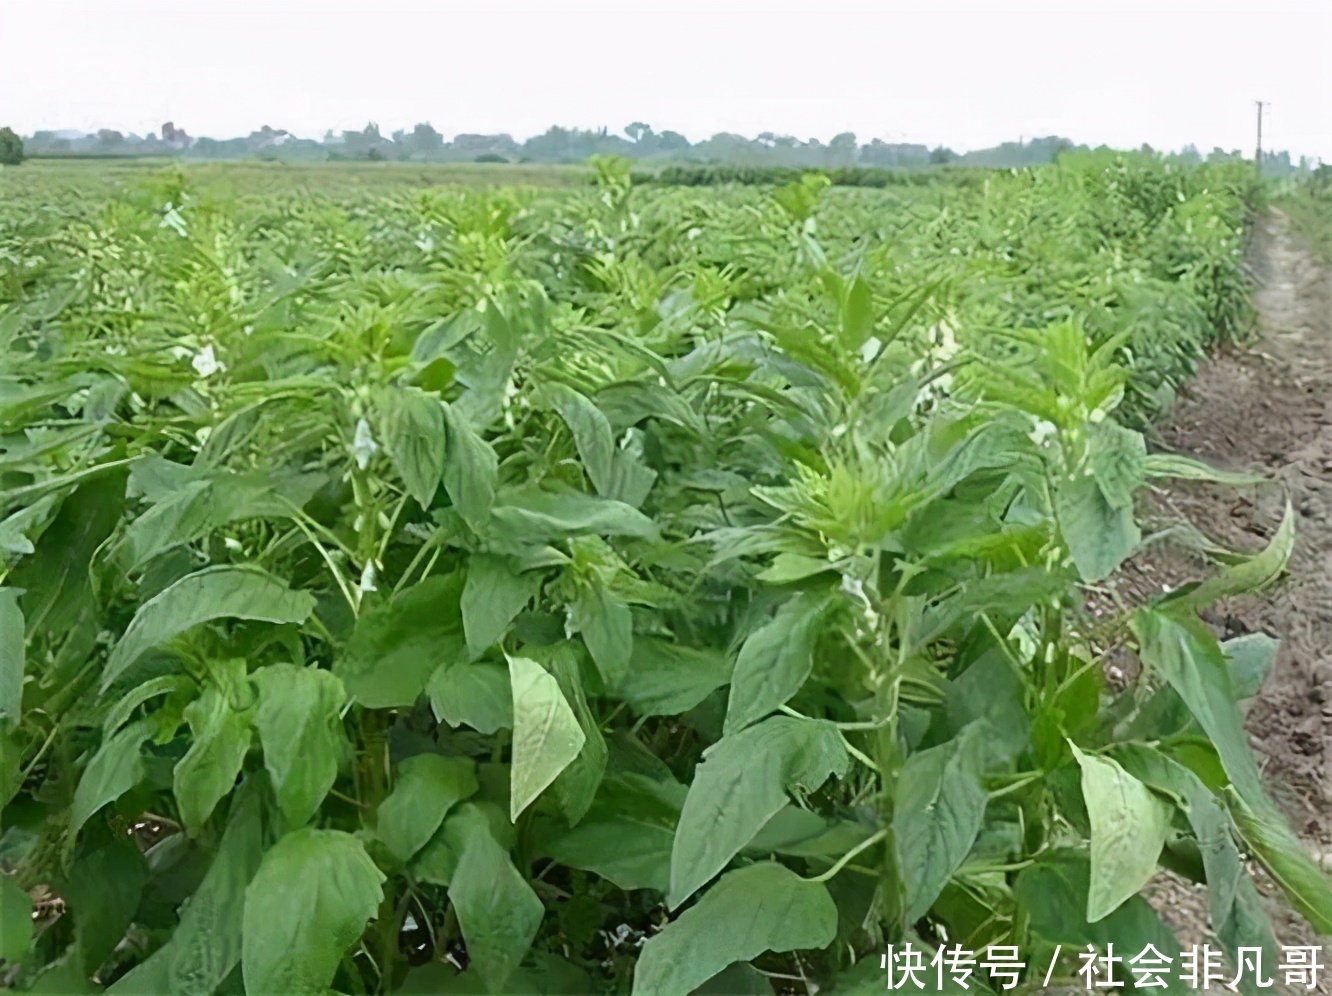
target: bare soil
<point>1267,408</point>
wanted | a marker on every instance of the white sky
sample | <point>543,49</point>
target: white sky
<point>964,74</point>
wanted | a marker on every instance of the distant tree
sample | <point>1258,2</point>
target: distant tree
<point>638,132</point>
<point>425,140</point>
<point>843,150</point>
<point>941,155</point>
<point>108,139</point>
<point>11,148</point>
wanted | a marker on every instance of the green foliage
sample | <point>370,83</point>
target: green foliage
<point>11,148</point>
<point>501,580</point>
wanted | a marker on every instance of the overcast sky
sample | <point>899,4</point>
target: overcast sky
<point>966,75</point>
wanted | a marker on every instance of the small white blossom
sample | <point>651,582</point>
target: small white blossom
<point>1043,432</point>
<point>368,578</point>
<point>206,363</point>
<point>363,445</point>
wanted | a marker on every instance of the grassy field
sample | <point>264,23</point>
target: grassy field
<point>601,588</point>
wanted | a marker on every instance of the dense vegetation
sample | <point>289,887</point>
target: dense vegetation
<point>609,589</point>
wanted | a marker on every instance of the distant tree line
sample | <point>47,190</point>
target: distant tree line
<point>638,142</point>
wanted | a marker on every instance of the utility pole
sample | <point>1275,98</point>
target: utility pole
<point>1258,152</point>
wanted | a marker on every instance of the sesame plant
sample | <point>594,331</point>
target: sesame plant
<point>610,591</point>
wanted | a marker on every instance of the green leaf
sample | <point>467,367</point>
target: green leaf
<point>1184,468</point>
<point>213,593</point>
<point>1285,859</point>
<point>307,905</point>
<point>300,729</point>
<point>577,784</point>
<point>857,314</point>
<point>167,684</point>
<point>607,628</point>
<point>1118,459</point>
<point>591,432</point>
<point>530,515</point>
<point>11,655</point>
<point>1249,575</point>
<point>475,695</point>
<point>15,921</point>
<point>427,787</point>
<point>740,785</point>
<point>187,506</point>
<point>1099,536</point>
<point>546,734</point>
<point>498,912</point>
<point>412,427</point>
<point>115,769</point>
<point>1129,824</point>
<point>220,728</point>
<point>206,945</point>
<point>626,836</point>
<point>103,891</point>
<point>493,595</point>
<point>1186,654</point>
<point>1250,658</point>
<point>765,907</point>
<point>395,648</point>
<point>1237,916</point>
<point>666,679</point>
<point>938,809</point>
<point>775,661</point>
<point>471,471</point>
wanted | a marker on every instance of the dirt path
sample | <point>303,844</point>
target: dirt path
<point>1268,407</point>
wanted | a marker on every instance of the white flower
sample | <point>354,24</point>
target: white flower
<point>206,363</point>
<point>1042,433</point>
<point>363,445</point>
<point>368,578</point>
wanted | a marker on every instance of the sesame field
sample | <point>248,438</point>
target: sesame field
<point>586,584</point>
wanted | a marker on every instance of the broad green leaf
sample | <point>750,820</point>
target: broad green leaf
<point>1186,654</point>
<point>1237,916</point>
<point>741,784</point>
<point>546,733</point>
<point>438,860</point>
<point>471,470</point>
<point>203,502</point>
<point>206,945</point>
<point>1285,859</point>
<point>306,906</point>
<point>220,729</point>
<point>529,515</point>
<point>213,593</point>
<point>115,769</point>
<point>775,661</point>
<point>15,921</point>
<point>607,628</point>
<point>427,787</point>
<point>103,890</point>
<point>666,679</point>
<point>492,596</point>
<point>412,427</point>
<point>1052,893</point>
<point>498,912</point>
<point>750,911</point>
<point>1250,658</point>
<point>11,655</point>
<point>591,432</point>
<point>1099,536</point>
<point>857,314</point>
<point>397,647</point>
<point>300,729</point>
<point>626,836</point>
<point>1129,824</point>
<point>476,695</point>
<point>1117,457</point>
<point>577,784</point>
<point>938,808</point>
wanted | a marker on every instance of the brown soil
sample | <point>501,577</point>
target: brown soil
<point>1266,408</point>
